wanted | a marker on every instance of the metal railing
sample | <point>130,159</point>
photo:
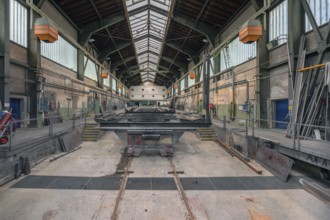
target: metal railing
<point>39,128</point>
<point>250,126</point>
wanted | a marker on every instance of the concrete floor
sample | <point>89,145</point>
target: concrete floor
<point>197,159</point>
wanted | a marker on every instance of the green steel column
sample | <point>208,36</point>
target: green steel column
<point>81,65</point>
<point>262,78</point>
<point>296,17</point>
<point>35,90</point>
<point>4,54</point>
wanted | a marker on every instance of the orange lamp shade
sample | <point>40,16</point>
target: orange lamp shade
<point>45,31</point>
<point>104,75</point>
<point>175,86</point>
<point>120,86</point>
<point>250,32</point>
<point>192,75</point>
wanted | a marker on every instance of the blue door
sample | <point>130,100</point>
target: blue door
<point>281,113</point>
<point>15,105</point>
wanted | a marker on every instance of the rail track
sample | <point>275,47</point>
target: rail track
<point>190,215</point>
<point>123,182</point>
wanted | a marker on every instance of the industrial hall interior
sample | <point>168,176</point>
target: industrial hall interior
<point>164,109</point>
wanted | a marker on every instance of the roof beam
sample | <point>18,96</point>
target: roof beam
<point>148,62</point>
<point>38,3</point>
<point>148,51</point>
<point>185,50</point>
<point>203,28</point>
<point>135,80</point>
<point>164,67</point>
<point>183,66</point>
<point>64,14</point>
<point>157,72</point>
<point>87,31</point>
<point>125,60</point>
<point>120,73</point>
<point>146,7</point>
<point>148,36</point>
<point>257,4</point>
<point>103,54</point>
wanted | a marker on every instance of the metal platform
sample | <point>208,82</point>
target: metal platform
<point>150,128</point>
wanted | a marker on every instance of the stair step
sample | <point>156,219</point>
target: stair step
<point>90,131</point>
<point>89,136</point>
<point>207,135</point>
<point>94,140</point>
<point>208,139</point>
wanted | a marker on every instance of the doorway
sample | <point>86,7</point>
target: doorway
<point>15,105</point>
<point>282,111</point>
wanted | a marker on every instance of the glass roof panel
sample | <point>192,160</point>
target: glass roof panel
<point>145,24</point>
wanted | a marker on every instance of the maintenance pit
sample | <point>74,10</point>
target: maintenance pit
<point>85,185</point>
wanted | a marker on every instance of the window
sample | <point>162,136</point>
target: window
<point>91,69</point>
<point>321,11</point>
<point>114,84</point>
<point>62,52</point>
<point>211,66</point>
<point>236,53</point>
<point>18,23</point>
<point>106,82</point>
<point>278,22</point>
<point>182,85</point>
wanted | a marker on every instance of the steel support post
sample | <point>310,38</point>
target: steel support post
<point>4,55</point>
<point>224,122</point>
<point>252,127</point>
<point>246,127</point>
<point>262,90</point>
<point>206,89</point>
<point>11,134</point>
<point>73,121</point>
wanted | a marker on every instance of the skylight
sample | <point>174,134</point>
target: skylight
<point>148,20</point>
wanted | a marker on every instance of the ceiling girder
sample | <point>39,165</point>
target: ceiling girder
<point>125,60</point>
<point>103,54</point>
<point>185,50</point>
<point>184,67</point>
<point>203,28</point>
<point>148,51</point>
<point>257,4</point>
<point>146,7</point>
<point>148,36</point>
<point>87,31</point>
<point>39,3</point>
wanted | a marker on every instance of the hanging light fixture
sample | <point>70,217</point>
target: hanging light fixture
<point>45,30</point>
<point>250,32</point>
<point>104,75</point>
<point>192,75</point>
